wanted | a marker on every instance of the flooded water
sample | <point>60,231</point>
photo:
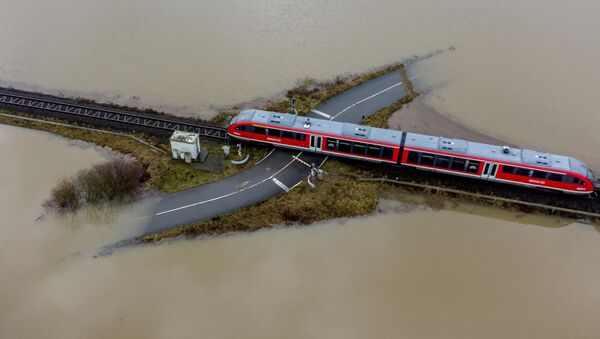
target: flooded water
<point>409,272</point>
<point>35,245</point>
<point>523,72</point>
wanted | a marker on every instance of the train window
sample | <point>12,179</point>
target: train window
<point>426,159</point>
<point>508,169</point>
<point>522,171</point>
<point>442,161</point>
<point>573,180</point>
<point>245,128</point>
<point>331,144</point>
<point>555,177</point>
<point>260,130</point>
<point>374,151</point>
<point>273,132</point>
<point>287,135</point>
<point>300,136</point>
<point>494,168</point>
<point>539,174</point>
<point>387,153</point>
<point>344,146</point>
<point>413,157</point>
<point>486,169</point>
<point>359,148</point>
<point>473,166</point>
<point>458,164</point>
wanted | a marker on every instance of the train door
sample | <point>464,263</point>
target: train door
<point>315,143</point>
<point>489,170</point>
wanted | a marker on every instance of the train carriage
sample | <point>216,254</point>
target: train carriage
<point>451,156</point>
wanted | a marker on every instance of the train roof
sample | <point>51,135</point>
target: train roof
<point>320,126</point>
<point>498,153</point>
<point>458,146</point>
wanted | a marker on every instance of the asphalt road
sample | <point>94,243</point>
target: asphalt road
<point>281,169</point>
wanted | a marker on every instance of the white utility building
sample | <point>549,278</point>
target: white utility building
<point>185,145</point>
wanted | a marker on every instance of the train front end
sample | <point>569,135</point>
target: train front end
<point>595,182</point>
<point>245,115</point>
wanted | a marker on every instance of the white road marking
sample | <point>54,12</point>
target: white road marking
<point>323,114</point>
<point>228,194</point>
<point>367,98</point>
<point>280,184</point>
<point>296,185</point>
<point>266,156</point>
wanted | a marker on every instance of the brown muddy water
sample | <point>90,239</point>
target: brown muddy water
<point>522,72</point>
<point>462,272</point>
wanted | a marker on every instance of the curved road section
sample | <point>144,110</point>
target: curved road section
<point>281,170</point>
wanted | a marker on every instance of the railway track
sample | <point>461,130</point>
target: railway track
<point>41,103</point>
<point>575,213</point>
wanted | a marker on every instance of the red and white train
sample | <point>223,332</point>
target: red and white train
<point>452,156</point>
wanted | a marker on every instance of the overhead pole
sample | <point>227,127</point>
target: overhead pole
<point>293,110</point>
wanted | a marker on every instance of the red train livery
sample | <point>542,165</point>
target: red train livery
<point>451,156</point>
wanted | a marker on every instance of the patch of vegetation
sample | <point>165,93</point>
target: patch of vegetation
<point>380,118</point>
<point>64,196</point>
<point>410,90</point>
<point>116,180</point>
<point>222,118</point>
<point>169,175</point>
<point>310,92</point>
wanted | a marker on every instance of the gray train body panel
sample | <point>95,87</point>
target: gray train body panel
<point>498,153</point>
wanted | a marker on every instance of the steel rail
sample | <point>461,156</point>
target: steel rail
<point>138,119</point>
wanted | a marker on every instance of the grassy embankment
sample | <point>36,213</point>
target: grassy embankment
<point>380,118</point>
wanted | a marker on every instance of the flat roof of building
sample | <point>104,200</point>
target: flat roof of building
<point>185,137</point>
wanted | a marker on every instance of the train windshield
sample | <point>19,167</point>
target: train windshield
<point>590,175</point>
<point>233,120</point>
